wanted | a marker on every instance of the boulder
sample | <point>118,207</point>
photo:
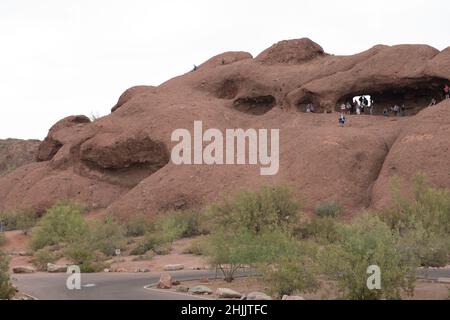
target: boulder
<point>173,267</point>
<point>226,293</point>
<point>200,290</point>
<point>258,296</point>
<point>53,268</point>
<point>24,269</point>
<point>165,281</point>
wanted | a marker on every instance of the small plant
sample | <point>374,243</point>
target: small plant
<point>107,236</point>
<point>42,257</point>
<point>137,226</point>
<point>196,247</point>
<point>328,209</point>
<point>7,291</point>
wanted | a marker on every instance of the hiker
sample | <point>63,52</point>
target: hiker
<point>310,108</point>
<point>433,102</point>
<point>366,102</point>
<point>396,110</point>
<point>447,92</point>
<point>385,112</point>
<point>403,110</point>
<point>361,100</point>
<point>223,61</point>
<point>343,108</point>
<point>195,68</point>
<point>349,108</point>
<point>358,110</point>
<point>342,120</point>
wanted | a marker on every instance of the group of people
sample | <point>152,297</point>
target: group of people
<point>359,106</point>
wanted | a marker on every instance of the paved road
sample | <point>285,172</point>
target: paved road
<point>125,286</point>
<point>102,286</point>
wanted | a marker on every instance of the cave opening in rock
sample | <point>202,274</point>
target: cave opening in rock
<point>414,94</point>
<point>255,105</point>
<point>308,104</point>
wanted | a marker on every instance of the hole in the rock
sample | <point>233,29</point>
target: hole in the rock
<point>415,96</point>
<point>255,105</point>
<point>308,104</point>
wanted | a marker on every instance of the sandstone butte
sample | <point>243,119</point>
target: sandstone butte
<point>120,163</point>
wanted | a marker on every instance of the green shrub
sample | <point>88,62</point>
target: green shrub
<point>106,236</point>
<point>62,223</point>
<point>19,220</point>
<point>323,230</point>
<point>167,228</point>
<point>163,249</point>
<point>7,291</point>
<point>42,257</point>
<point>368,241</point>
<point>137,226</point>
<point>291,275</point>
<point>196,246</point>
<point>328,209</point>
<point>268,208</point>
<point>83,255</point>
<point>423,222</point>
<point>178,224</point>
<point>427,249</point>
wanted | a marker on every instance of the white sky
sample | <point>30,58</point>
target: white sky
<point>64,57</point>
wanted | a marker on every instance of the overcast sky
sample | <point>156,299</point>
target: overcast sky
<point>65,57</point>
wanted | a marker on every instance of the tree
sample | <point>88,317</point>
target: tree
<point>366,242</point>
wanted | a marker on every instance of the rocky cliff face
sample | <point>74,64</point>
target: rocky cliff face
<point>121,162</point>
<point>15,153</point>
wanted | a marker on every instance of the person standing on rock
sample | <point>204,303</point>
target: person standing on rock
<point>403,110</point>
<point>433,102</point>
<point>385,112</point>
<point>447,91</point>
<point>343,108</point>
<point>342,120</point>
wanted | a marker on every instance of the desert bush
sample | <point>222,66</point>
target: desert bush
<point>328,209</point>
<point>423,222</point>
<point>430,207</point>
<point>83,255</point>
<point>19,220</point>
<point>42,257</point>
<point>62,223</point>
<point>7,291</point>
<point>167,228</point>
<point>291,275</point>
<point>268,208</point>
<point>178,224</point>
<point>196,246</point>
<point>322,230</point>
<point>367,241</point>
<point>106,236</point>
<point>425,248</point>
<point>137,226</point>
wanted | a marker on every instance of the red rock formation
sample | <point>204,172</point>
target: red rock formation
<point>121,162</point>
